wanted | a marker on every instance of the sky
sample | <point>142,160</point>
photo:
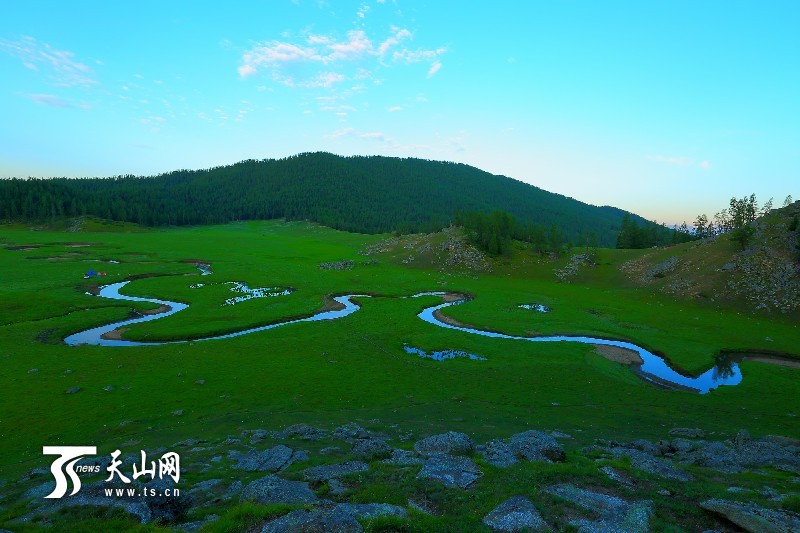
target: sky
<point>663,108</point>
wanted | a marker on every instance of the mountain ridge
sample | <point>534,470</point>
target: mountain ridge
<point>366,194</point>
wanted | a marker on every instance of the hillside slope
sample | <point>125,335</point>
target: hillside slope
<point>765,275</point>
<point>360,194</point>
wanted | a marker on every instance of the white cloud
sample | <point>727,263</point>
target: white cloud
<point>52,100</point>
<point>705,165</point>
<point>307,62</point>
<point>680,161</point>
<point>400,34</point>
<point>326,79</point>
<point>60,65</point>
<point>394,109</point>
<point>246,70</point>
<point>352,132</point>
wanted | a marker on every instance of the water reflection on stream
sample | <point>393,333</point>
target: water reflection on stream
<point>653,367</point>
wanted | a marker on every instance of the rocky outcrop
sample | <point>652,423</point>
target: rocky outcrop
<point>452,471</point>
<point>342,518</point>
<point>613,514</point>
<point>272,489</point>
<point>325,472</point>
<point>529,446</point>
<point>371,449</point>
<point>754,518</point>
<point>272,460</point>
<point>452,442</point>
<point>515,514</point>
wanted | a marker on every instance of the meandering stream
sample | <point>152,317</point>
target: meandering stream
<point>652,368</point>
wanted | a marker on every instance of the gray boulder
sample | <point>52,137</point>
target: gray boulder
<point>754,518</point>
<point>452,471</point>
<point>305,432</point>
<point>403,458</point>
<point>271,460</point>
<point>515,514</point>
<point>498,453</point>
<point>537,446</point>
<point>342,518</point>
<point>325,472</point>
<point>370,449</point>
<point>313,522</point>
<point>530,445</point>
<point>351,432</point>
<point>652,465</point>
<point>452,442</point>
<point>614,514</point>
<point>272,489</point>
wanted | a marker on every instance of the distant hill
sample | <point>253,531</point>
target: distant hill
<point>361,194</point>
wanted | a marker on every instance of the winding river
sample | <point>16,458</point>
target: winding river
<point>652,368</point>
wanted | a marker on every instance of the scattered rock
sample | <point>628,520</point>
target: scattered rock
<point>515,514</point>
<point>754,518</point>
<point>272,489</point>
<point>351,432</point>
<point>166,509</point>
<point>451,442</point>
<point>498,453</point>
<point>530,446</point>
<point>652,465</point>
<point>179,412</point>
<point>233,490</point>
<point>271,460</point>
<point>615,475</point>
<point>403,458</point>
<point>72,390</point>
<point>33,370</point>
<point>336,487</point>
<point>575,264</point>
<point>452,471</point>
<point>201,382</point>
<point>305,432</point>
<point>615,514</point>
<point>313,521</point>
<point>341,519</point>
<point>325,472</point>
<point>108,388</point>
<point>537,446</point>
<point>344,264</point>
<point>371,449</point>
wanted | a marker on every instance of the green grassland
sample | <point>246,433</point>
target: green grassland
<point>352,369</point>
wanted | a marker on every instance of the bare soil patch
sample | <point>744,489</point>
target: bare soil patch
<point>618,355</point>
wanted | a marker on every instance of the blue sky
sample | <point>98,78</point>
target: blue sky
<point>663,108</point>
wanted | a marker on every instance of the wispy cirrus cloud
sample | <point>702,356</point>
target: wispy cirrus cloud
<point>352,132</point>
<point>356,56</point>
<point>60,66</point>
<point>679,161</point>
<point>52,100</point>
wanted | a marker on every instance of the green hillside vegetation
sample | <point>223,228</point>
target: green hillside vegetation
<point>754,264</point>
<point>359,194</point>
<point>355,370</point>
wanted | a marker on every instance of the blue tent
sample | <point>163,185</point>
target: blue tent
<point>90,273</point>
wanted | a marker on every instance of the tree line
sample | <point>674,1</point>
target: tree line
<point>736,219</point>
<point>360,194</point>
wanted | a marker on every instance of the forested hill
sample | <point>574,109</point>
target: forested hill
<point>362,194</point>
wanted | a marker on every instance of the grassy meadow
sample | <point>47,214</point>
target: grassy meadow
<point>353,369</point>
